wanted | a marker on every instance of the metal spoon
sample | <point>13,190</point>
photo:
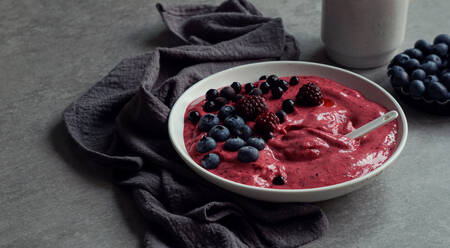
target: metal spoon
<point>378,122</point>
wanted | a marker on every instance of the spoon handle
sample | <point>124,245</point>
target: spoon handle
<point>378,122</point>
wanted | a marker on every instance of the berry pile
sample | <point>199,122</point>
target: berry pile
<point>231,111</point>
<point>423,71</point>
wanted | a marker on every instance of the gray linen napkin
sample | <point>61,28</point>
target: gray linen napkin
<point>121,123</point>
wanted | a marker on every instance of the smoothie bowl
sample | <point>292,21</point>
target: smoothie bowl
<point>281,137</point>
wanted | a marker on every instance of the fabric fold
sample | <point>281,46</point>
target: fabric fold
<point>121,123</point>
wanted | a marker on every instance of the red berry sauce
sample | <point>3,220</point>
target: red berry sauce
<point>309,148</point>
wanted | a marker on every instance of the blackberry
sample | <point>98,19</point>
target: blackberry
<point>266,122</point>
<point>251,106</point>
<point>309,95</point>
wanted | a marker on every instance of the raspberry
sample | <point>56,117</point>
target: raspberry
<point>309,95</point>
<point>250,107</point>
<point>267,122</point>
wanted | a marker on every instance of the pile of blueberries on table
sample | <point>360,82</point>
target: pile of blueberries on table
<point>423,72</point>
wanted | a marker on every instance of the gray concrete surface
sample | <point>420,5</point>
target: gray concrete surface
<point>52,51</point>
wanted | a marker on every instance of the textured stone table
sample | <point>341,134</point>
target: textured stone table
<point>52,51</point>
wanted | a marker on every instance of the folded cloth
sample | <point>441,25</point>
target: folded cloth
<point>121,123</point>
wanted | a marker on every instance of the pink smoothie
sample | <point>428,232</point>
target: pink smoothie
<point>309,149</point>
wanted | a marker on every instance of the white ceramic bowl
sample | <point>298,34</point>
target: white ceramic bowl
<point>251,72</point>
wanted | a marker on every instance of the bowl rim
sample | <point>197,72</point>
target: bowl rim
<point>191,163</point>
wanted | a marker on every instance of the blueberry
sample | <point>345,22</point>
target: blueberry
<point>414,53</point>
<point>209,106</point>
<point>228,92</point>
<point>237,87</point>
<point>249,87</point>
<point>436,91</point>
<point>283,84</point>
<point>219,133</point>
<point>263,77</point>
<point>210,161</point>
<point>430,67</point>
<point>256,92</point>
<point>442,38</point>
<point>278,180</point>
<point>294,80</point>
<point>395,69</point>
<point>440,49</point>
<point>226,111</point>
<point>265,87</point>
<point>423,46</point>
<point>277,92</point>
<point>220,102</point>
<point>400,59</point>
<point>244,132</point>
<point>211,94</point>
<point>237,97</point>
<point>399,79</point>
<point>429,79</point>
<point>281,114</point>
<point>412,64</point>
<point>445,79</point>
<point>257,143</point>
<point>416,88</point>
<point>233,144</point>
<point>272,80</point>
<point>418,74</point>
<point>206,144</point>
<point>207,122</point>
<point>234,121</point>
<point>194,116</point>
<point>433,57</point>
<point>288,105</point>
<point>248,154</point>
